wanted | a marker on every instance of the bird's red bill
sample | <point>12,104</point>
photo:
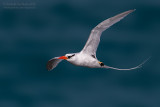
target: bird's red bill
<point>63,57</point>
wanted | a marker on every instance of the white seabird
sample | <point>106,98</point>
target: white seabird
<point>87,56</point>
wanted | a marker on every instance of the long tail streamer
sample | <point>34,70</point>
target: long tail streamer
<point>139,66</point>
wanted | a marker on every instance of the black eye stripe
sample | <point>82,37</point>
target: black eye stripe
<point>71,56</point>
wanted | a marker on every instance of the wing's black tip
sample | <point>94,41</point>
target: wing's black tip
<point>49,65</point>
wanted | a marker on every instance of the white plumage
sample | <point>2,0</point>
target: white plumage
<point>87,57</point>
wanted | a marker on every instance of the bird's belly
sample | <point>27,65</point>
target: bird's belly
<point>91,63</point>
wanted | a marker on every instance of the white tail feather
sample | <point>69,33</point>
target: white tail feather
<point>139,66</point>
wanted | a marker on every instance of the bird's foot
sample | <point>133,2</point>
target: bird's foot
<point>101,63</point>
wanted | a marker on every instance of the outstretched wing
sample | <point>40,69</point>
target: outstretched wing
<point>94,38</point>
<point>52,63</point>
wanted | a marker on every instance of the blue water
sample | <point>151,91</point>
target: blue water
<point>29,37</point>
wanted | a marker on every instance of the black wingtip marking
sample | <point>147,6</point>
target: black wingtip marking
<point>93,56</point>
<point>49,65</point>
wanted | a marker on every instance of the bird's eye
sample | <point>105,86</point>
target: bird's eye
<point>70,56</point>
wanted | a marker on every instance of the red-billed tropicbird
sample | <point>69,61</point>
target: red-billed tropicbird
<point>87,56</point>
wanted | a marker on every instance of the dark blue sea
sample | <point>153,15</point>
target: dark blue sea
<point>34,31</point>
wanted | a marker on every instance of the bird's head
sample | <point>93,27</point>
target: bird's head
<point>68,57</point>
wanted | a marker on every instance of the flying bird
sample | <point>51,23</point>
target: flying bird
<point>87,56</point>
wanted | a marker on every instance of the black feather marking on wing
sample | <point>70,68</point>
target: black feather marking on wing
<point>49,65</point>
<point>93,56</point>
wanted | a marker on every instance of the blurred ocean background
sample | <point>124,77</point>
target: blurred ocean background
<point>34,31</point>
